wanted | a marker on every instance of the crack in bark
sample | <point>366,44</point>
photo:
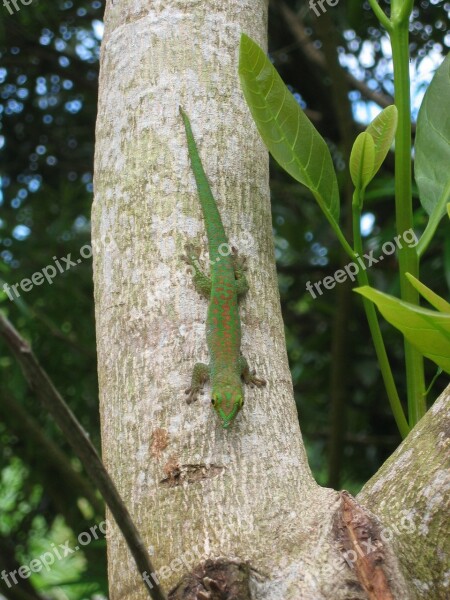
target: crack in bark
<point>360,542</point>
<point>177,474</point>
<point>214,580</point>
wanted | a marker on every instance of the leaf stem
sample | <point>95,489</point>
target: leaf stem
<point>433,222</point>
<point>380,15</point>
<point>374,326</point>
<point>341,237</point>
<point>433,381</point>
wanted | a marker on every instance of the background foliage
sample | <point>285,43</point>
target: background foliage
<point>48,82</point>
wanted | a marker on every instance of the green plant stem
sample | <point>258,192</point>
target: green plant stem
<point>408,257</point>
<point>435,219</point>
<point>374,326</point>
<point>380,15</point>
<point>433,381</point>
<point>401,9</point>
<point>341,237</point>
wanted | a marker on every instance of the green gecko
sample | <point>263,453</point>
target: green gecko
<point>227,281</point>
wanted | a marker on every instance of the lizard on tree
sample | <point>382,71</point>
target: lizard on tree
<point>227,281</point>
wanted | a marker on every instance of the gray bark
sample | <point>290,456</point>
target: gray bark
<point>234,509</point>
<point>411,495</point>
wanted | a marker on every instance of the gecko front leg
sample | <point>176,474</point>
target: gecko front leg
<point>202,283</point>
<point>248,376</point>
<point>239,265</point>
<point>200,376</point>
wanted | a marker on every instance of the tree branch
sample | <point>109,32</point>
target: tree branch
<point>26,428</point>
<point>298,30</point>
<point>410,494</point>
<point>52,401</point>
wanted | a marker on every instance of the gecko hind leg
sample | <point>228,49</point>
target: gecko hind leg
<point>200,376</point>
<point>248,376</point>
<point>202,283</point>
<point>239,264</point>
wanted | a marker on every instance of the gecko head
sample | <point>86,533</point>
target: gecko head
<point>227,403</point>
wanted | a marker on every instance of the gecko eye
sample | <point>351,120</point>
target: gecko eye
<point>213,401</point>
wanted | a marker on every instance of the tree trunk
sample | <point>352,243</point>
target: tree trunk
<point>411,495</point>
<point>230,513</point>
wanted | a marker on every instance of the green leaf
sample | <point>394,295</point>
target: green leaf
<point>287,132</point>
<point>362,160</point>
<point>383,129</point>
<point>432,147</point>
<point>371,147</point>
<point>435,300</point>
<point>427,330</point>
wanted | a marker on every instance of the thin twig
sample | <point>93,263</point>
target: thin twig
<point>298,30</point>
<point>28,428</point>
<point>53,402</point>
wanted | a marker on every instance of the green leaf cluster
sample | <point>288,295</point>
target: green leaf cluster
<point>300,150</point>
